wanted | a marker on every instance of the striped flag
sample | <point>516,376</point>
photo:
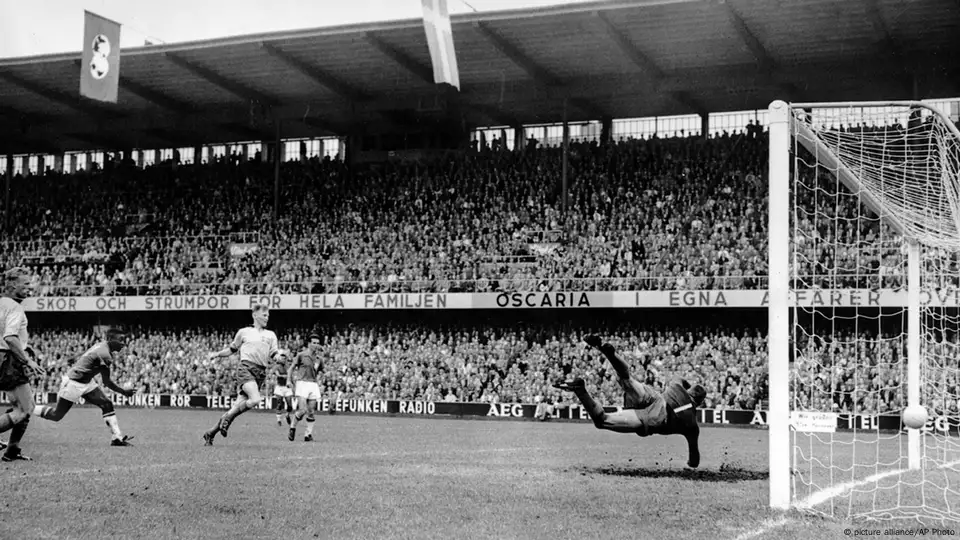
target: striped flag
<point>100,68</point>
<point>436,22</point>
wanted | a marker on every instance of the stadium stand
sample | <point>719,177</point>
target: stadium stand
<point>679,213</point>
<point>514,364</point>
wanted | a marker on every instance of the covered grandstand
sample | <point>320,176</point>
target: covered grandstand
<point>591,62</point>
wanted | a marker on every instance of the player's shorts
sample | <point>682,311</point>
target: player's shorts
<point>248,371</point>
<point>12,372</point>
<point>282,391</point>
<point>72,390</point>
<point>308,390</point>
<point>648,404</point>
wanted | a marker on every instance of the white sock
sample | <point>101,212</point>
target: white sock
<point>113,425</point>
<point>38,410</point>
<point>309,427</point>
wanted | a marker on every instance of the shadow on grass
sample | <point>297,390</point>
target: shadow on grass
<point>724,474</point>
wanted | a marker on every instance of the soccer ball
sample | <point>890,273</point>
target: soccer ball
<point>915,416</point>
<point>99,67</point>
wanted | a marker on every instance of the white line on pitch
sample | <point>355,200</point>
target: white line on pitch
<point>825,495</point>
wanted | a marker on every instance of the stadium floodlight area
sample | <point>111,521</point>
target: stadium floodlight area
<point>864,196</point>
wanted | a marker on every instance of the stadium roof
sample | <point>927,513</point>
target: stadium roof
<point>620,59</point>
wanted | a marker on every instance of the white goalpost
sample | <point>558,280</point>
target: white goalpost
<point>864,310</point>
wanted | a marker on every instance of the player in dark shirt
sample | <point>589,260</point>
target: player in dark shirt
<point>79,383</point>
<point>303,375</point>
<point>645,411</point>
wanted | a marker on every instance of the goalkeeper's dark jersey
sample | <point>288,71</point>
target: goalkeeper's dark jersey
<point>681,410</point>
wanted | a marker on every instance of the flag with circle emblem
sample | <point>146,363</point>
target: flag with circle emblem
<point>100,67</point>
<point>443,55</point>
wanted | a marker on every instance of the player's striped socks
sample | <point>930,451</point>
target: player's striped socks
<point>309,427</point>
<point>111,419</point>
<point>41,410</point>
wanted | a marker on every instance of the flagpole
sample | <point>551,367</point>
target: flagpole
<point>566,149</point>
<point>8,174</point>
<point>277,150</point>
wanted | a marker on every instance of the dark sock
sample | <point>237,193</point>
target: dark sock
<point>16,434</point>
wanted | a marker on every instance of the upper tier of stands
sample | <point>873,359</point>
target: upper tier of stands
<point>655,214</point>
<point>643,214</point>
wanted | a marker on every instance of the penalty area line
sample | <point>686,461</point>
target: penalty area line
<point>825,495</point>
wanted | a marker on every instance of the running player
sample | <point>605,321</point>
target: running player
<point>645,411</point>
<point>282,392</point>
<point>79,383</point>
<point>303,373</point>
<point>257,346</point>
<point>16,365</point>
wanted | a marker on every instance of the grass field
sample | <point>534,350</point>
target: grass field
<point>379,477</point>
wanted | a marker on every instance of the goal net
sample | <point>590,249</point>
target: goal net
<point>865,310</point>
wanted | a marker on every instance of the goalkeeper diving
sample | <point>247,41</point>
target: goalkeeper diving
<point>645,410</point>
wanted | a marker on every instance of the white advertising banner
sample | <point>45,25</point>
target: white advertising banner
<point>847,298</point>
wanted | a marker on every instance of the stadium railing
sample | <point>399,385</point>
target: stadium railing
<point>508,284</point>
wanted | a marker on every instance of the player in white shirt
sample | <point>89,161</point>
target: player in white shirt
<point>257,346</point>
<point>17,367</point>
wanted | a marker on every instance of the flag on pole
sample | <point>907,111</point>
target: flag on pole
<point>100,68</point>
<point>436,22</point>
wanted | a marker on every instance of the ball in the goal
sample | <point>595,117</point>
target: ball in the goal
<point>915,416</point>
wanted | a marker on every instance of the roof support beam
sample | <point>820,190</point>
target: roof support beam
<point>537,72</point>
<point>72,101</point>
<point>642,61</point>
<point>509,50</point>
<point>759,52</point>
<point>155,97</point>
<point>403,59</point>
<point>235,88</point>
<point>646,65</point>
<point>318,75</point>
<point>151,95</point>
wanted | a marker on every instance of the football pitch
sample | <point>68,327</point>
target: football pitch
<point>382,477</point>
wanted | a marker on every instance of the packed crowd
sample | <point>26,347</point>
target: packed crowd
<point>660,214</point>
<point>468,364</point>
<point>643,214</point>
<point>505,365</point>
